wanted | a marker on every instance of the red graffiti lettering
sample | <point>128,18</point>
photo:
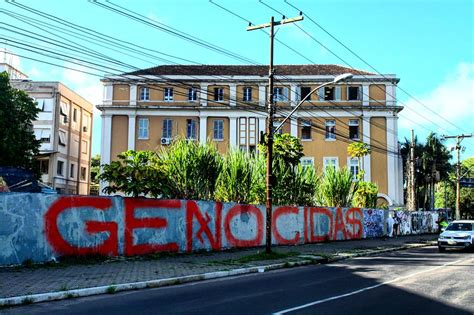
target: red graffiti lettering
<point>276,234</point>
<point>192,211</point>
<point>321,211</point>
<point>238,210</point>
<point>63,247</point>
<point>355,222</point>
<point>339,225</point>
<point>132,223</point>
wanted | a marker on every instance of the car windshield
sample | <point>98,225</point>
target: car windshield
<point>459,227</point>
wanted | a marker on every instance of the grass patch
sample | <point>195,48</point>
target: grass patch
<point>111,289</point>
<point>69,295</point>
<point>27,300</point>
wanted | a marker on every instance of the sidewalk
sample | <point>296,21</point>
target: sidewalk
<point>71,275</point>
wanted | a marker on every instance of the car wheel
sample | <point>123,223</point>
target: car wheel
<point>441,249</point>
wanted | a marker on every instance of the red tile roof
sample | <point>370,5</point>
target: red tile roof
<point>247,70</point>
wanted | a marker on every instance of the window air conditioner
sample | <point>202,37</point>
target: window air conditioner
<point>165,141</point>
<point>84,128</point>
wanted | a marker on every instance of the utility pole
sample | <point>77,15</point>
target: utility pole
<point>411,189</point>
<point>458,147</point>
<point>270,113</point>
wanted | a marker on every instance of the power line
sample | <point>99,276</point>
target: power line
<point>368,64</point>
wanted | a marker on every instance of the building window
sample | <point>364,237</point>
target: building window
<point>330,129</point>
<point>307,161</point>
<point>71,170</point>
<point>83,173</point>
<point>85,123</point>
<point>247,94</point>
<point>44,135</point>
<point>305,130</point>
<point>330,162</point>
<point>353,165</point>
<point>60,166</point>
<point>144,94</point>
<point>353,93</point>
<point>62,137</point>
<point>168,94</point>
<point>354,129</point>
<point>45,105</point>
<point>84,147</point>
<point>190,129</point>
<point>63,112</point>
<point>275,126</point>
<point>280,94</point>
<point>329,94</point>
<point>143,128</point>
<point>167,128</point>
<point>74,114</point>
<point>218,133</point>
<point>305,91</point>
<point>192,94</point>
<point>44,166</point>
<point>218,94</point>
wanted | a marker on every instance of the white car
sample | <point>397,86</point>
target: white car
<point>458,234</point>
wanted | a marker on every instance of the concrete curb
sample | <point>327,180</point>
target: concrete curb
<point>110,289</point>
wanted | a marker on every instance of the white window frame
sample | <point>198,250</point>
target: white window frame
<point>247,97</point>
<point>191,129</point>
<point>168,94</point>
<point>355,123</point>
<point>143,128</point>
<point>326,163</point>
<point>353,162</point>
<point>327,135</point>
<point>307,161</point>
<point>359,92</point>
<point>305,124</point>
<point>167,131</point>
<point>62,137</point>
<point>280,94</point>
<point>192,94</point>
<point>218,94</point>
<point>218,130</point>
<point>144,93</point>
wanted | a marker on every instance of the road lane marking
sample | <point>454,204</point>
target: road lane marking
<point>367,288</point>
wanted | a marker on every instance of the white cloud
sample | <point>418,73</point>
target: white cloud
<point>34,72</point>
<point>453,100</point>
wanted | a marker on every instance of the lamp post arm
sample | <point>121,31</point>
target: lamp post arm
<point>299,104</point>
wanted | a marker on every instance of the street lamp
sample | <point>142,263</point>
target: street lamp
<point>337,79</point>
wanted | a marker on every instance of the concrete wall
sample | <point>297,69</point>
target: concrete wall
<point>41,227</point>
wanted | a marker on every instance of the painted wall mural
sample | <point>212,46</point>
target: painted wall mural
<point>41,227</point>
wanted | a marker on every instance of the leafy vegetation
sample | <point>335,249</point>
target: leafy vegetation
<point>365,195</point>
<point>18,144</point>
<point>336,188</point>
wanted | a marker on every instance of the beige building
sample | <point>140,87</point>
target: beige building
<point>64,126</point>
<point>147,109</point>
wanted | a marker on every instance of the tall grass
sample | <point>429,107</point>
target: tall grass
<point>241,178</point>
<point>336,188</point>
<point>192,169</point>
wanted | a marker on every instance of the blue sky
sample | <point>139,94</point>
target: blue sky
<point>429,45</point>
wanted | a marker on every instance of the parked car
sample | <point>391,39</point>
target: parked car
<point>458,234</point>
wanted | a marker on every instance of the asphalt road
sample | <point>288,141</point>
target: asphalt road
<point>417,281</point>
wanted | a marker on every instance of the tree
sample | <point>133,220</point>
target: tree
<point>285,147</point>
<point>135,173</point>
<point>95,169</point>
<point>445,196</point>
<point>358,150</point>
<point>18,144</point>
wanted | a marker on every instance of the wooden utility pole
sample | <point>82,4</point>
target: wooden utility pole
<point>269,132</point>
<point>458,148</point>
<point>411,188</point>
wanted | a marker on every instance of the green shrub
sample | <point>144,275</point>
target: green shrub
<point>365,195</point>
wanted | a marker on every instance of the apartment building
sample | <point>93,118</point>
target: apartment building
<point>224,104</point>
<point>64,126</point>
